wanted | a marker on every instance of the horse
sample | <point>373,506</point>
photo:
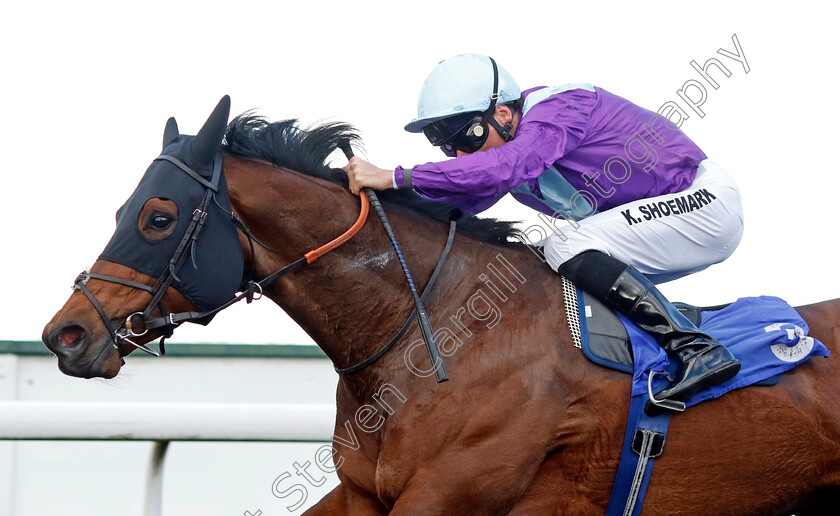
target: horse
<point>524,426</point>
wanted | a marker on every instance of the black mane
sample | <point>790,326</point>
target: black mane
<point>284,144</point>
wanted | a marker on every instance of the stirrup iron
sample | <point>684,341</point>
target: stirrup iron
<point>666,404</point>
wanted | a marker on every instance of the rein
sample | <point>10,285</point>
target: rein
<point>140,323</point>
<point>387,347</point>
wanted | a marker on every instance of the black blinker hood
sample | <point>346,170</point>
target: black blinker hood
<point>212,271</point>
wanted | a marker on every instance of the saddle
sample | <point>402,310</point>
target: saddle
<point>603,337</point>
<point>765,333</point>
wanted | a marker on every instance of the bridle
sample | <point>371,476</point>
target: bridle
<point>143,319</point>
<point>140,323</point>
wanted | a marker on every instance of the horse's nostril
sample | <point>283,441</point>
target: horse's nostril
<point>71,335</point>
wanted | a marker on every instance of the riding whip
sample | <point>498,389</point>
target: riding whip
<point>422,316</point>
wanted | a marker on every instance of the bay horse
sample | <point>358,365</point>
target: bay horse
<point>525,425</point>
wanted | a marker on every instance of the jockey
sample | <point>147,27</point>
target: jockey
<point>645,204</point>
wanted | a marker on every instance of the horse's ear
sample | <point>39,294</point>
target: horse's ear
<point>170,132</point>
<point>206,143</point>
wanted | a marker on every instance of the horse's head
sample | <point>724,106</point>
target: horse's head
<point>175,250</point>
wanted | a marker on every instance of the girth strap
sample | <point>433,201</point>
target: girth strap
<point>644,440</point>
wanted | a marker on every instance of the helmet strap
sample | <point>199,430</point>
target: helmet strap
<point>504,132</point>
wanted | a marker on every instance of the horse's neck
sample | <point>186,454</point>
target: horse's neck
<point>353,300</point>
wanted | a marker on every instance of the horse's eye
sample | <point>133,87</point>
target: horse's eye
<point>160,222</point>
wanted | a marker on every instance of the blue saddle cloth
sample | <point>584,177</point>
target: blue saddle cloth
<point>765,333</point>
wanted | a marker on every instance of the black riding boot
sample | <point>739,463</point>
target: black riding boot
<point>702,361</point>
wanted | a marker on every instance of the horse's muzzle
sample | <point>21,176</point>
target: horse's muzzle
<point>79,355</point>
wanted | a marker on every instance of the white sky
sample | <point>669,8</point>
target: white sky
<point>88,87</point>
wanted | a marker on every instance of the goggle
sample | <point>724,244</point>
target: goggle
<point>463,133</point>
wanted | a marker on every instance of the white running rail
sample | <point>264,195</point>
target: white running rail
<point>163,423</point>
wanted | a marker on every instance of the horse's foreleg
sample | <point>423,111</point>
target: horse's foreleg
<point>343,501</point>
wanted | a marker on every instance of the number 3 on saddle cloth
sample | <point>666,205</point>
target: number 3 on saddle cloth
<point>765,333</point>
